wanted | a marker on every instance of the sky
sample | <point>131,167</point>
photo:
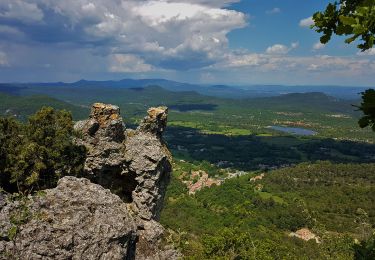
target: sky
<point>237,42</point>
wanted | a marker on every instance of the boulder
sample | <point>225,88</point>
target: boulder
<point>75,220</point>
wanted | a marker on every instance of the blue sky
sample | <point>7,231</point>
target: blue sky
<point>198,41</point>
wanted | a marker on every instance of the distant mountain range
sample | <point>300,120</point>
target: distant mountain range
<point>223,91</point>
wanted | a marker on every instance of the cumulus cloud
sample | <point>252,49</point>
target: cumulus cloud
<point>274,10</point>
<point>173,34</point>
<point>318,46</point>
<point>328,65</point>
<point>369,52</point>
<point>128,63</point>
<point>279,49</point>
<point>307,22</point>
<point>213,3</point>
<point>24,11</point>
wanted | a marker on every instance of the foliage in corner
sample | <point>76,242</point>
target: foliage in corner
<point>353,18</point>
<point>34,155</point>
<point>356,19</point>
<point>368,108</point>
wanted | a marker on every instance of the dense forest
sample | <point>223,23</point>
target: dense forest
<point>243,219</point>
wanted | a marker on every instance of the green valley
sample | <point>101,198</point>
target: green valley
<point>241,190</point>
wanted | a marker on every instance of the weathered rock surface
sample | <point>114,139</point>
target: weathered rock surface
<point>75,220</point>
<point>149,159</point>
<point>135,164</point>
<point>82,220</point>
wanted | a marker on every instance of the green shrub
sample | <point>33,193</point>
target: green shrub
<point>34,155</point>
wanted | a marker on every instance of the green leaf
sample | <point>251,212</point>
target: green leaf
<point>325,38</point>
<point>344,29</point>
<point>346,20</point>
<point>351,39</point>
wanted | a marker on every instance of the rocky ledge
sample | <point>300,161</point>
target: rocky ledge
<point>109,213</point>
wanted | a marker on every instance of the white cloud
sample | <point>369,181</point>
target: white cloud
<point>213,3</point>
<point>274,10</point>
<point>243,60</point>
<point>128,63</point>
<point>294,45</point>
<point>154,37</point>
<point>307,22</point>
<point>177,34</point>
<point>369,52</point>
<point>330,66</point>
<point>279,49</point>
<point>5,29</point>
<point>318,46</point>
<point>24,11</point>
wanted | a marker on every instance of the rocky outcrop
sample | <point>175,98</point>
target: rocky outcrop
<point>305,234</point>
<point>135,164</point>
<point>148,158</point>
<point>75,220</point>
<point>110,213</point>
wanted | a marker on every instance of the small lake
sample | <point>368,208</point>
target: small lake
<point>293,130</point>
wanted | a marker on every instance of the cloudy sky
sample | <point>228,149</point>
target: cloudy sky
<point>198,41</point>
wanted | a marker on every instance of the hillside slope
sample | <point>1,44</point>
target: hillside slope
<point>251,218</point>
<point>23,106</point>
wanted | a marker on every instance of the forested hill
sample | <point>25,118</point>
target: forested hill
<point>328,116</point>
<point>23,106</point>
<point>224,91</point>
<point>252,216</point>
<point>156,95</point>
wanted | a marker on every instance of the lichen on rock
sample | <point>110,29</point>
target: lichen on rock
<point>75,220</point>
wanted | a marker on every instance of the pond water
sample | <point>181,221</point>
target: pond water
<point>293,130</point>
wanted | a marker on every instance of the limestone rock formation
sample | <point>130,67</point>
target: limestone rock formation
<point>149,160</point>
<point>75,220</point>
<point>135,164</point>
<point>82,220</point>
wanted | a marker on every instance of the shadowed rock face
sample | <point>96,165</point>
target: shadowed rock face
<point>82,220</point>
<point>135,164</point>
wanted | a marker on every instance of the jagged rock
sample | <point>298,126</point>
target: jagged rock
<point>155,122</point>
<point>149,159</point>
<point>82,220</point>
<point>148,245</point>
<point>89,126</point>
<point>105,124</point>
<point>103,136</point>
<point>75,220</point>
<point>136,166</point>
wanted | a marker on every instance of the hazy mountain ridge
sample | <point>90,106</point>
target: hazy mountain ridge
<point>226,91</point>
<point>81,96</point>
